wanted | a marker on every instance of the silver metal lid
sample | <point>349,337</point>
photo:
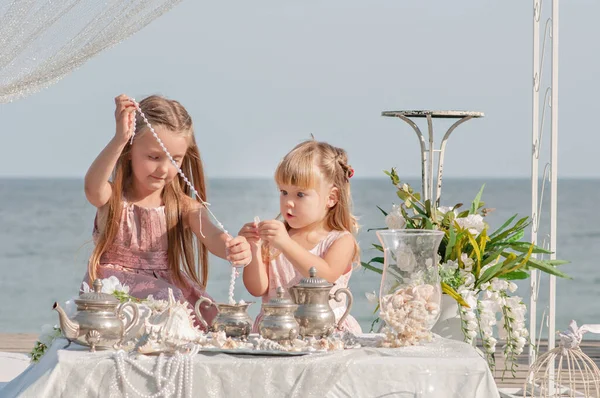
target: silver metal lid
<point>97,297</point>
<point>280,299</point>
<point>313,280</point>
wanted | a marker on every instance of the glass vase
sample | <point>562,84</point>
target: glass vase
<point>410,292</point>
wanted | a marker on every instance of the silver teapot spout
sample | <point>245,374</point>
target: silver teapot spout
<point>69,328</point>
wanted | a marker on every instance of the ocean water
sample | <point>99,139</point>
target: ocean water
<point>46,224</point>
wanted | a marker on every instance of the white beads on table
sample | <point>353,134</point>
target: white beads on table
<point>176,381</point>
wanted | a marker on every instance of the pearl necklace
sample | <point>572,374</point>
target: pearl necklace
<point>234,272</point>
<point>176,380</point>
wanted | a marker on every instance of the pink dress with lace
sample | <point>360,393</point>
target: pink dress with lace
<point>138,258</point>
<point>283,273</point>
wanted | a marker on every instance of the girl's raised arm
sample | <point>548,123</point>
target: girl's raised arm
<point>97,188</point>
<point>235,250</point>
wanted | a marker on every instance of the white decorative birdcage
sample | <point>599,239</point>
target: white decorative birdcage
<point>565,371</point>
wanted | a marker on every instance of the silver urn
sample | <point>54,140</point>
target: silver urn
<point>314,314</point>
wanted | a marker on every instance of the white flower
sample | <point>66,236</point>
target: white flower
<point>512,287</point>
<point>450,265</point>
<point>473,222</point>
<point>468,262</point>
<point>405,259</point>
<point>109,286</point>
<point>395,219</point>
<point>499,284</point>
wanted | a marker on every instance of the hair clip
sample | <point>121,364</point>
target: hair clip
<point>350,172</point>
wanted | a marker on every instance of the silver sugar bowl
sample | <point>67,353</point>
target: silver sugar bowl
<point>233,319</point>
<point>278,323</point>
<point>314,314</point>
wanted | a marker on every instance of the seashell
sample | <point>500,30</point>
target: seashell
<point>169,329</point>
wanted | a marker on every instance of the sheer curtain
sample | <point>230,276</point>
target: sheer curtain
<point>41,41</point>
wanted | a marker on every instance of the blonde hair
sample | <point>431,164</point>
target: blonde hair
<point>311,163</point>
<point>181,250</point>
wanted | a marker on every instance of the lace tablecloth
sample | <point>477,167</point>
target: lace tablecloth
<point>442,368</point>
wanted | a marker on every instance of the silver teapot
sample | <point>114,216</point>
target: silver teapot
<point>314,314</point>
<point>233,319</point>
<point>278,323</point>
<point>98,323</point>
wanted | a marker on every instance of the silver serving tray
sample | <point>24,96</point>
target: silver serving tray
<point>248,351</point>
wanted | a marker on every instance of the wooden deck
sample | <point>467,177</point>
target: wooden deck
<point>23,342</point>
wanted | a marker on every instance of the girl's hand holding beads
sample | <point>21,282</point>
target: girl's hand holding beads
<point>274,232</point>
<point>238,251</point>
<point>124,115</point>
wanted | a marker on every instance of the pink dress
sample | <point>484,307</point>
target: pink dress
<point>138,258</point>
<point>283,273</point>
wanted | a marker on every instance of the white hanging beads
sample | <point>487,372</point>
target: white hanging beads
<point>179,171</point>
<point>177,380</point>
<point>234,272</point>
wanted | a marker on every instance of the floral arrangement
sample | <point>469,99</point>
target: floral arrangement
<point>50,333</point>
<point>477,267</point>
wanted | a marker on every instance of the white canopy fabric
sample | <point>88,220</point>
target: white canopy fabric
<point>41,41</point>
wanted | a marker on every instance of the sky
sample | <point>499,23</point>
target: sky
<point>259,77</point>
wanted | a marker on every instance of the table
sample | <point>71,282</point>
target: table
<point>442,368</point>
<point>427,153</point>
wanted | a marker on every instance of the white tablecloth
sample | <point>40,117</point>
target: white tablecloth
<point>443,368</point>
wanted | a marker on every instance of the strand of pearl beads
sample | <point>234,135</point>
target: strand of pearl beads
<point>206,205</point>
<point>178,368</point>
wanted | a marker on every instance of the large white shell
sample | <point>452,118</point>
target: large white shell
<point>169,329</point>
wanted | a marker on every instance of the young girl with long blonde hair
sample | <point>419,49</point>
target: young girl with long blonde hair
<point>317,231</point>
<point>146,218</point>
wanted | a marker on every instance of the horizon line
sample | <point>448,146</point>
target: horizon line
<point>378,177</point>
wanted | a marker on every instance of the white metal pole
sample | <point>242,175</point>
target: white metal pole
<point>534,172</point>
<point>554,173</point>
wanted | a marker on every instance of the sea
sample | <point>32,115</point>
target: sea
<point>46,226</point>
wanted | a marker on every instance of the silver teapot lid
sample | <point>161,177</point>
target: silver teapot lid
<point>313,280</point>
<point>280,300</point>
<point>97,297</point>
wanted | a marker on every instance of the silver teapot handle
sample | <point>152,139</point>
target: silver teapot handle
<point>200,301</point>
<point>336,296</point>
<point>134,318</point>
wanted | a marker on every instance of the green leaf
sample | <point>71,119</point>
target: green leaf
<point>383,211</point>
<point>371,268</point>
<point>520,225</point>
<point>489,273</point>
<point>515,275</point>
<point>452,293</point>
<point>451,243</point>
<point>547,268</point>
<point>378,247</point>
<point>377,260</point>
<point>475,204</point>
<point>524,247</point>
<point>556,262</point>
<point>516,237</point>
<point>506,224</point>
